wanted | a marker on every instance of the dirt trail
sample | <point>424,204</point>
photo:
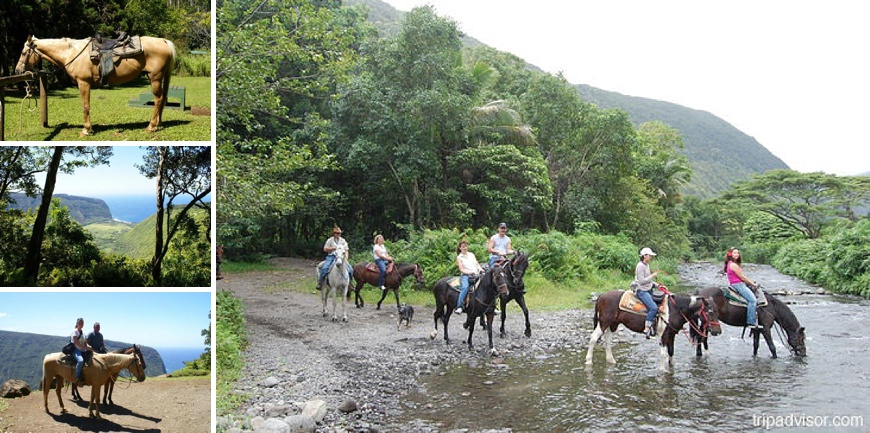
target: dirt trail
<point>155,405</point>
<point>296,355</point>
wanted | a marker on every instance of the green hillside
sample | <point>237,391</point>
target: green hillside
<point>84,210</point>
<point>709,140</point>
<point>22,354</point>
<point>138,242</point>
<point>107,233</point>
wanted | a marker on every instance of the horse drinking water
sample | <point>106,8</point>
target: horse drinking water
<point>775,311</point>
<point>157,59</point>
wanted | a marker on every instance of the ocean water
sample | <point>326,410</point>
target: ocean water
<point>131,209</point>
<point>174,357</point>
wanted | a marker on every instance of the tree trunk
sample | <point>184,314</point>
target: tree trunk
<point>34,250</point>
<point>157,261</point>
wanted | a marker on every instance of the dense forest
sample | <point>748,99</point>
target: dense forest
<point>417,136</point>
<point>186,23</point>
<point>46,246</point>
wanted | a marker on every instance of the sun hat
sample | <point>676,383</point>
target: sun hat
<point>500,225</point>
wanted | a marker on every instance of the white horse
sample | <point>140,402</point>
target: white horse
<point>337,282</point>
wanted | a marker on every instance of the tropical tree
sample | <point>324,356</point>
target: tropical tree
<point>180,171</point>
<point>805,202</point>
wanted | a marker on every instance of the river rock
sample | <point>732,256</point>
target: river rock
<point>316,409</point>
<point>14,388</point>
<point>269,382</point>
<point>272,425</point>
<point>300,424</point>
<point>348,406</point>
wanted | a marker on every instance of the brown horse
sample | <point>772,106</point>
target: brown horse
<point>681,309</point>
<point>96,375</point>
<point>157,58</point>
<point>774,312</point>
<point>110,384</point>
<point>392,282</point>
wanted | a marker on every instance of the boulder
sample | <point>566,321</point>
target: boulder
<point>316,409</point>
<point>14,388</point>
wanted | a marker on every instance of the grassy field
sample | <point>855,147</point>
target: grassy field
<point>107,232</point>
<point>111,118</point>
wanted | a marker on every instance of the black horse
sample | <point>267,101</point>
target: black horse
<point>516,268</point>
<point>362,275</point>
<point>492,283</point>
<point>774,312</point>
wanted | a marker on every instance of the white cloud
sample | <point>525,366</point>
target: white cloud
<point>2,315</point>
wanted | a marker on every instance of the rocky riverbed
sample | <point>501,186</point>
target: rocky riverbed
<point>305,372</point>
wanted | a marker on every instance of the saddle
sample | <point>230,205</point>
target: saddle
<point>456,285</point>
<point>70,360</point>
<point>371,266</point>
<point>734,298</point>
<point>107,51</point>
<point>629,302</point>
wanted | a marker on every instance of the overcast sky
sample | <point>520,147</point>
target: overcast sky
<point>793,75</point>
<point>157,319</point>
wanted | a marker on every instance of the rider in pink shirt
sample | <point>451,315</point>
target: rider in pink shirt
<point>741,283</point>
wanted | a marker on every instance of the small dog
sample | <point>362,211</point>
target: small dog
<point>406,313</point>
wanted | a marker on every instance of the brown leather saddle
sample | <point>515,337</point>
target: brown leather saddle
<point>372,267</point>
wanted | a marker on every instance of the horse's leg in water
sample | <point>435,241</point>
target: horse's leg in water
<point>85,91</point>
<point>608,345</point>
<point>666,350</point>
<point>767,339</point>
<point>593,340</point>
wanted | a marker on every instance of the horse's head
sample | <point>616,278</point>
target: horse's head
<point>797,341</point>
<point>518,267</point>
<point>138,353</point>
<point>339,255</point>
<point>418,275</point>
<point>137,368</point>
<point>710,316</point>
<point>500,280</point>
<point>30,57</point>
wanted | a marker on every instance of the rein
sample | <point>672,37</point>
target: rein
<point>705,325</point>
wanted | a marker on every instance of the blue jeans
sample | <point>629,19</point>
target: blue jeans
<point>80,361</point>
<point>382,265</point>
<point>463,292</point>
<point>493,259</point>
<point>651,308</point>
<point>751,302</point>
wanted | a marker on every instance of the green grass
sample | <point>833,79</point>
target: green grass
<point>106,233</point>
<point>111,118</point>
<point>241,267</point>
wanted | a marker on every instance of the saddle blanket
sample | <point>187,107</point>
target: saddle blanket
<point>132,48</point>
<point>371,266</point>
<point>629,302</point>
<point>735,299</point>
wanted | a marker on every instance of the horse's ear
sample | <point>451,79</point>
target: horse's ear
<point>29,38</point>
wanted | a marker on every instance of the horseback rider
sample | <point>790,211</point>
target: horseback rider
<point>742,284</point>
<point>333,243</point>
<point>80,350</point>
<point>379,251</point>
<point>643,283</point>
<point>469,267</point>
<point>95,339</point>
<point>499,245</point>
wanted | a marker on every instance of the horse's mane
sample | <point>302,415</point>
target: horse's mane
<point>783,315</point>
<point>684,302</point>
<point>113,358</point>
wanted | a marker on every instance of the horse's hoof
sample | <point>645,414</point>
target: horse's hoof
<point>493,352</point>
<point>529,333</point>
<point>344,319</point>
<point>433,334</point>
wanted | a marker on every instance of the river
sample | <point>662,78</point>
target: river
<point>725,390</point>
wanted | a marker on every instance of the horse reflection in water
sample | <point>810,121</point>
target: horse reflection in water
<point>774,312</point>
<point>682,309</point>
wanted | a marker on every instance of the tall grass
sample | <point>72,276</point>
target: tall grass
<point>230,340</point>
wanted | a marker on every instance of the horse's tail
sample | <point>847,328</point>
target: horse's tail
<point>595,317</point>
<point>170,65</point>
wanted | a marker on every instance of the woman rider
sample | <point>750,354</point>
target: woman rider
<point>379,251</point>
<point>643,280</point>
<point>739,282</point>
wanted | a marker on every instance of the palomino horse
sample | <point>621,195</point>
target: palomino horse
<point>157,59</point>
<point>516,268</point>
<point>336,280</point>
<point>774,312</point>
<point>681,309</point>
<point>102,367</point>
<point>110,384</point>
<point>392,282</point>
